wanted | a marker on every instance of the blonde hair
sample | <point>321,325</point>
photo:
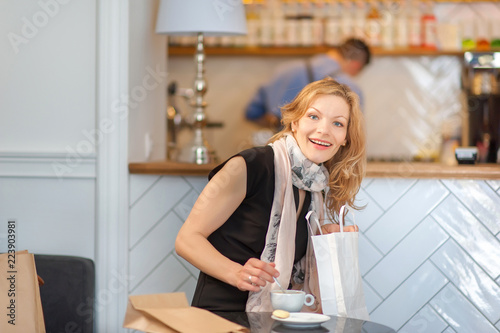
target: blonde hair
<point>347,167</point>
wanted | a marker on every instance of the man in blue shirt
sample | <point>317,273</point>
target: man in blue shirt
<point>340,63</point>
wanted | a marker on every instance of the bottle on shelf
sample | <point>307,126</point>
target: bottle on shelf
<point>252,14</point>
<point>483,35</point>
<point>279,29</point>
<point>305,23</point>
<point>347,20</point>
<point>291,23</point>
<point>429,27</point>
<point>468,35</point>
<point>415,24</point>
<point>226,41</point>
<point>360,20</point>
<point>318,23</point>
<point>266,25</point>
<point>401,25</point>
<point>333,31</point>
<point>212,41</point>
<point>373,27</point>
<point>187,40</point>
<point>388,24</point>
<point>495,34</point>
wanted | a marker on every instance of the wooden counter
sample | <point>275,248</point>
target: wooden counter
<point>432,170</point>
<point>374,170</point>
<point>170,168</point>
<point>303,51</point>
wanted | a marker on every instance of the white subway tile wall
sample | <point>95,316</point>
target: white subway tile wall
<point>425,320</point>
<point>395,267</point>
<point>372,298</point>
<point>429,249</point>
<point>393,189</point>
<point>403,216</point>
<point>154,204</point>
<point>413,98</point>
<point>372,210</point>
<point>369,255</point>
<point>408,100</point>
<point>410,296</point>
<point>157,242</point>
<point>479,198</point>
<point>478,286</point>
<point>459,312</point>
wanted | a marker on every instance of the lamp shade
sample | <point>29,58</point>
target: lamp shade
<point>211,17</point>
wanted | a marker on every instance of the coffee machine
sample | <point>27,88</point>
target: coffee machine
<point>481,81</point>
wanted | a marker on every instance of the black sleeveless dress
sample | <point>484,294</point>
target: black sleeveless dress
<point>243,235</point>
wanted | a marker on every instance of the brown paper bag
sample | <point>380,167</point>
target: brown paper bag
<point>171,313</point>
<point>20,294</point>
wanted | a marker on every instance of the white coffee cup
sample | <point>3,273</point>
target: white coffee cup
<point>290,300</point>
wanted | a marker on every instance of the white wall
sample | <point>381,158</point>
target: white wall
<point>53,216</point>
<point>47,103</point>
<point>147,83</point>
<point>63,145</point>
<point>47,85</point>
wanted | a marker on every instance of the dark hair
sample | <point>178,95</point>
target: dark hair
<point>355,49</point>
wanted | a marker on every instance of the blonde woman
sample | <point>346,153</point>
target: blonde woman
<point>248,224</point>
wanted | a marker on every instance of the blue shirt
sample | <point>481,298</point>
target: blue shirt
<point>289,80</point>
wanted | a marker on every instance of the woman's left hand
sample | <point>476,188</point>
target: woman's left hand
<point>334,227</point>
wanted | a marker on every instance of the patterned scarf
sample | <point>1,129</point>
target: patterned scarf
<point>291,167</point>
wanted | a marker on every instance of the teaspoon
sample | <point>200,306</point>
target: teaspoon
<point>279,285</point>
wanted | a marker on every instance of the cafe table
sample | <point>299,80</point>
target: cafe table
<point>262,322</point>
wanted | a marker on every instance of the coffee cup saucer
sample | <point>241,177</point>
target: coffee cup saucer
<point>303,319</point>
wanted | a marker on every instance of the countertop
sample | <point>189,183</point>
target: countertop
<point>374,170</point>
<point>262,322</point>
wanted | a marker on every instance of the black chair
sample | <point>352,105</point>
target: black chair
<point>68,293</point>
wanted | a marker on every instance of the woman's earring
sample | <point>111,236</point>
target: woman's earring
<point>344,143</point>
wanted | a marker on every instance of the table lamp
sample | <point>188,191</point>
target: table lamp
<point>200,17</point>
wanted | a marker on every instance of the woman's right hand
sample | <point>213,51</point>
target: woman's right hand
<point>329,228</point>
<point>255,274</point>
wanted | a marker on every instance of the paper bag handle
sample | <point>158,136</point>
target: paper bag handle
<point>341,220</point>
<point>315,220</point>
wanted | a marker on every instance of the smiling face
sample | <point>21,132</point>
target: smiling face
<point>323,128</point>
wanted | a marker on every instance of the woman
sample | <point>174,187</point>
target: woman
<point>248,224</point>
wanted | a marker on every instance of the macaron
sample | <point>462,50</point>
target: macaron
<point>282,314</point>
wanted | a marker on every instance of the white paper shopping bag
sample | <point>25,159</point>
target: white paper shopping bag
<point>339,277</point>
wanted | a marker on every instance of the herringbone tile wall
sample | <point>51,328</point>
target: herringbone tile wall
<point>429,249</point>
<point>430,254</point>
<point>158,207</point>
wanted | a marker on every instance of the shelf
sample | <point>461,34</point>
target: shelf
<point>170,168</point>
<point>300,51</point>
<point>432,170</point>
<point>466,1</point>
<point>373,170</point>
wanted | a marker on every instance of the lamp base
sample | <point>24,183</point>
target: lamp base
<point>197,151</point>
